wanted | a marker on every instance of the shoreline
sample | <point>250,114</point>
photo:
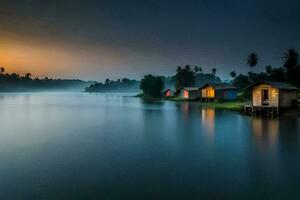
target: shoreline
<point>236,106</point>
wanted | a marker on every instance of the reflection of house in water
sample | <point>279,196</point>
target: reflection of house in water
<point>265,130</point>
<point>208,119</point>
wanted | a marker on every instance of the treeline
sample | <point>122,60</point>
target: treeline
<point>120,85</point>
<point>289,71</point>
<point>187,77</point>
<point>16,83</point>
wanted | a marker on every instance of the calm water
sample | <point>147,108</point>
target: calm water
<point>88,146</point>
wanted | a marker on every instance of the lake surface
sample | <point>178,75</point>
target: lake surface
<point>97,146</point>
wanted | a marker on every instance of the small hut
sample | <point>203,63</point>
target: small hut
<point>273,94</point>
<point>191,93</point>
<point>218,92</point>
<point>167,93</point>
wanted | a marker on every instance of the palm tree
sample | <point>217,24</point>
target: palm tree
<point>196,69</point>
<point>252,60</point>
<point>233,74</point>
<point>179,69</point>
<point>188,67</point>
<point>214,71</point>
<point>200,69</point>
<point>291,57</point>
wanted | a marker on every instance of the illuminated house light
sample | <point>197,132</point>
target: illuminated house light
<point>168,94</point>
<point>186,94</point>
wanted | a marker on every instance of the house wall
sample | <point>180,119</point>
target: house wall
<point>257,95</point>
<point>286,98</point>
<point>184,94</point>
<point>189,94</point>
<point>226,94</point>
<point>208,92</point>
<point>195,94</point>
<point>168,93</point>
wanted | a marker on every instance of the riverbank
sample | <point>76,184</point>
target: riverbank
<point>233,106</point>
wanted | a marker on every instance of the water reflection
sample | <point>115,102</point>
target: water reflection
<point>208,119</point>
<point>265,130</point>
<point>125,146</point>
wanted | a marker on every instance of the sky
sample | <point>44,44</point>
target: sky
<point>98,39</point>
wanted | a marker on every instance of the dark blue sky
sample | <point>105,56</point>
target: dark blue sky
<point>99,39</point>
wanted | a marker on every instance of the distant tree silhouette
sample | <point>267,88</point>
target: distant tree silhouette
<point>185,77</point>
<point>107,81</point>
<point>200,69</point>
<point>196,69</point>
<point>17,83</point>
<point>291,66</point>
<point>214,71</point>
<point>2,70</point>
<point>152,85</point>
<point>28,76</point>
<point>291,59</point>
<point>252,60</point>
<point>269,70</point>
<point>233,74</point>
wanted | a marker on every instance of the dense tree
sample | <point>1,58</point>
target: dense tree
<point>252,60</point>
<point>291,59</point>
<point>291,66</point>
<point>241,81</point>
<point>120,85</point>
<point>233,74</point>
<point>214,71</point>
<point>18,83</point>
<point>185,77</point>
<point>2,70</point>
<point>152,85</point>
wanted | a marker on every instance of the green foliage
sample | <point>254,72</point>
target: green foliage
<point>152,85</point>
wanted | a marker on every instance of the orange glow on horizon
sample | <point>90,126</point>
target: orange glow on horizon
<point>54,59</point>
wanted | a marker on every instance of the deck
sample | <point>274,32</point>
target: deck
<point>261,111</point>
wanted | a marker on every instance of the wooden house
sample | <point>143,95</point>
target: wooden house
<point>272,94</point>
<point>218,92</point>
<point>191,93</point>
<point>167,93</point>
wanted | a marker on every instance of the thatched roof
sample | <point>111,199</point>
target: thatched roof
<point>278,85</point>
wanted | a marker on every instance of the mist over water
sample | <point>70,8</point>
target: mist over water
<point>108,146</point>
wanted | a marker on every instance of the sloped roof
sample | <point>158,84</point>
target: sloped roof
<point>167,90</point>
<point>189,88</point>
<point>220,86</point>
<point>278,85</point>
